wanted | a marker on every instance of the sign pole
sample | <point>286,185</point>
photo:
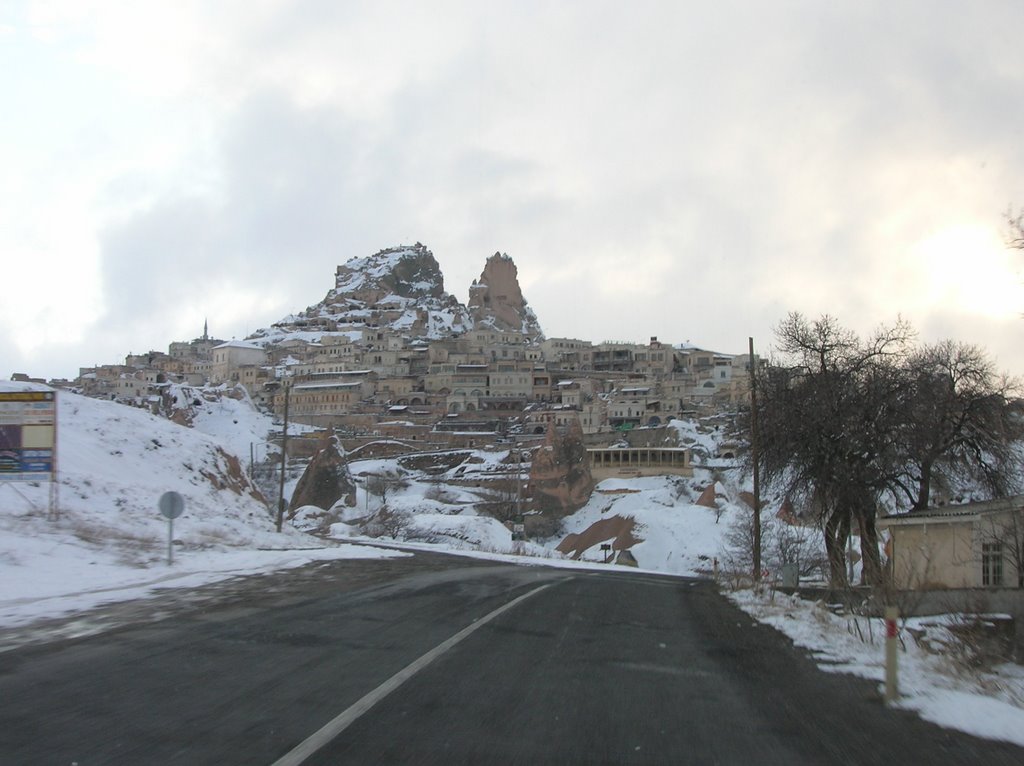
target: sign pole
<point>892,692</point>
<point>756,553</point>
<point>172,505</point>
<point>54,487</point>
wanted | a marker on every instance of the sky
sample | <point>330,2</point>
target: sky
<point>692,171</point>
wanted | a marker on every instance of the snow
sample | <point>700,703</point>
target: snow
<point>10,387</point>
<point>109,542</point>
<point>986,704</point>
<point>231,420</point>
<point>240,344</point>
<point>679,537</point>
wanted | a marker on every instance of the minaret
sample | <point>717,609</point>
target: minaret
<point>206,334</point>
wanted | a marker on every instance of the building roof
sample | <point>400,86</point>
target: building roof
<point>336,384</point>
<point>241,344</point>
<point>955,513</point>
<point>17,386</point>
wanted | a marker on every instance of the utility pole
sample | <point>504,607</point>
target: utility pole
<point>754,459</point>
<point>284,457</point>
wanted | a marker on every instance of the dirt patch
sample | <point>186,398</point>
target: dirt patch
<point>707,497</point>
<point>613,527</point>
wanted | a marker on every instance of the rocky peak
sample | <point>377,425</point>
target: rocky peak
<point>402,288</point>
<point>408,271</point>
<point>496,300</point>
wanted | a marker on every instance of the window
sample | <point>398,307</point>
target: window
<point>992,564</point>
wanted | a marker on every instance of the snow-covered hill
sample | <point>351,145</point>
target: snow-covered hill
<point>225,413</point>
<point>108,535</point>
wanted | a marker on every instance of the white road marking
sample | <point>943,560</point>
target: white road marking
<point>347,717</point>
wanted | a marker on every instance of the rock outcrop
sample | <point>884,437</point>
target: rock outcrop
<point>402,289</point>
<point>560,478</point>
<point>496,300</point>
<point>326,479</point>
<point>615,528</point>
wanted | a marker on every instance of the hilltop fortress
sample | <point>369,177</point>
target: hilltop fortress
<point>389,352</point>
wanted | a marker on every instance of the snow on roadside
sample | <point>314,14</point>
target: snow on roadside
<point>985,704</point>
<point>73,583</point>
<point>110,543</point>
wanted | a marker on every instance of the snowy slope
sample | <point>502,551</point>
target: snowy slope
<point>677,536</point>
<point>114,463</point>
<point>226,414</point>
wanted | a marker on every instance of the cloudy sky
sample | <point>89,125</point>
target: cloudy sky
<point>681,169</point>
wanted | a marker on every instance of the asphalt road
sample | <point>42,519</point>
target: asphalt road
<point>586,669</point>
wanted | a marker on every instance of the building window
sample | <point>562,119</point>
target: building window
<point>992,564</point>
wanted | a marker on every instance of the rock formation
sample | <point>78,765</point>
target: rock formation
<point>326,479</point>
<point>402,289</point>
<point>560,478</point>
<point>615,528</point>
<point>496,300</point>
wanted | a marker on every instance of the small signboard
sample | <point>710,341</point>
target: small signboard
<point>28,433</point>
<point>172,505</point>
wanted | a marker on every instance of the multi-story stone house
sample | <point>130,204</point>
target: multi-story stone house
<point>563,353</point>
<point>387,363</point>
<point>135,385</point>
<point>543,389</point>
<point>708,365</point>
<point>401,391</point>
<point>101,381</point>
<point>508,380</point>
<point>438,379</point>
<point>677,391</point>
<point>538,417</point>
<point>509,345</point>
<point>468,386</point>
<point>299,349</point>
<point>657,360</point>
<point>594,416</point>
<point>339,349</point>
<point>142,361</point>
<point>609,356</point>
<point>575,392</point>
<point>324,403</point>
<point>238,361</point>
<point>635,406</point>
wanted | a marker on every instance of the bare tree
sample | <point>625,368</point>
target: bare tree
<point>384,483</point>
<point>960,421</point>
<point>1015,225</point>
<point>393,522</point>
<point>847,422</point>
<point>829,415</point>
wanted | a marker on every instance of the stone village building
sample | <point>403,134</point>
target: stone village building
<point>975,545</point>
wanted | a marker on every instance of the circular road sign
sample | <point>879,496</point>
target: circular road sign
<point>172,505</point>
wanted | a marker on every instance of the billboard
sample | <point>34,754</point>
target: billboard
<point>28,433</point>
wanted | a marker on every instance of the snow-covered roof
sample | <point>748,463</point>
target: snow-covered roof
<point>15,386</point>
<point>241,344</point>
<point>336,384</point>
<point>961,512</point>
